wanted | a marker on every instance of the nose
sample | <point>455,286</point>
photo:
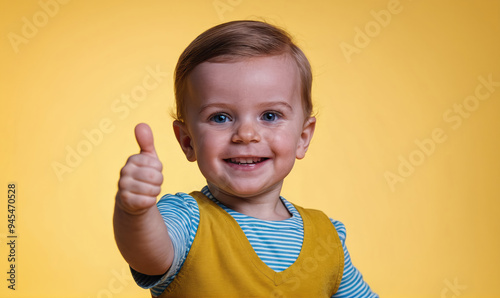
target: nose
<point>246,132</point>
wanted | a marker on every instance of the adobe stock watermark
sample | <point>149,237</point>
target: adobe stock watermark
<point>30,27</point>
<point>373,28</point>
<point>116,284</point>
<point>309,265</point>
<point>454,117</point>
<point>120,108</point>
<point>452,289</point>
<point>223,6</point>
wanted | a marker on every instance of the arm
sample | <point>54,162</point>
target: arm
<point>181,216</point>
<point>140,232</point>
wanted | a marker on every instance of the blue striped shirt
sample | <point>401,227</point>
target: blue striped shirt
<point>277,243</point>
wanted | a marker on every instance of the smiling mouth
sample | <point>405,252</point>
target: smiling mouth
<point>246,160</point>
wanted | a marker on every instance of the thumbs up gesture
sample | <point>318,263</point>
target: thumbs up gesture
<point>141,177</point>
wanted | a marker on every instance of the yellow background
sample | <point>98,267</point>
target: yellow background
<point>434,233</point>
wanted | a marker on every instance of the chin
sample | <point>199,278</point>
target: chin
<point>244,191</point>
<point>241,192</point>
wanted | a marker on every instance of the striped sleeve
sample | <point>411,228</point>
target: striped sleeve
<point>352,284</point>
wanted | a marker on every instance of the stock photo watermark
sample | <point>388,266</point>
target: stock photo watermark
<point>452,289</point>
<point>116,284</point>
<point>454,117</point>
<point>12,240</point>
<point>223,6</point>
<point>321,252</point>
<point>120,108</point>
<point>31,26</point>
<point>364,35</point>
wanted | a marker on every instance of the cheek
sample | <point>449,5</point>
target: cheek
<point>284,143</point>
<point>208,143</point>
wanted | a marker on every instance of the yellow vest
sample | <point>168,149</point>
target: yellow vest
<point>222,262</point>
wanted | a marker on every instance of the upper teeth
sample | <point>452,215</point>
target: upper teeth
<point>245,160</point>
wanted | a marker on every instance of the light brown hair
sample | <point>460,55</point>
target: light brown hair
<point>236,40</point>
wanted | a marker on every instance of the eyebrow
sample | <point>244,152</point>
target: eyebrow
<point>214,105</point>
<point>283,104</point>
<point>268,104</point>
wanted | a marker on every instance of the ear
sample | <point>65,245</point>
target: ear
<point>184,138</point>
<point>305,137</point>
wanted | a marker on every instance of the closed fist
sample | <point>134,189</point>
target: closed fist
<point>141,177</point>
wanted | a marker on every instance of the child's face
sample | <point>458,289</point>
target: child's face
<point>245,123</point>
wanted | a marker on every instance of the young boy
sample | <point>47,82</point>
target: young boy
<point>243,94</point>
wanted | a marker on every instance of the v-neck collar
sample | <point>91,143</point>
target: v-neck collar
<point>246,247</point>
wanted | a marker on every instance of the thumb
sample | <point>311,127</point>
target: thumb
<point>144,137</point>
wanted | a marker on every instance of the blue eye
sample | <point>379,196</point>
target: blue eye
<point>219,118</point>
<point>270,116</point>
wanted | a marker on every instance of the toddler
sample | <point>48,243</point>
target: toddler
<point>244,114</point>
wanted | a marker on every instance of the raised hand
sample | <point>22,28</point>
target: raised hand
<point>141,177</point>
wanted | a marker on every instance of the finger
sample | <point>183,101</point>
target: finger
<point>144,137</point>
<point>148,175</point>
<point>134,203</point>
<point>139,188</point>
<point>142,160</point>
